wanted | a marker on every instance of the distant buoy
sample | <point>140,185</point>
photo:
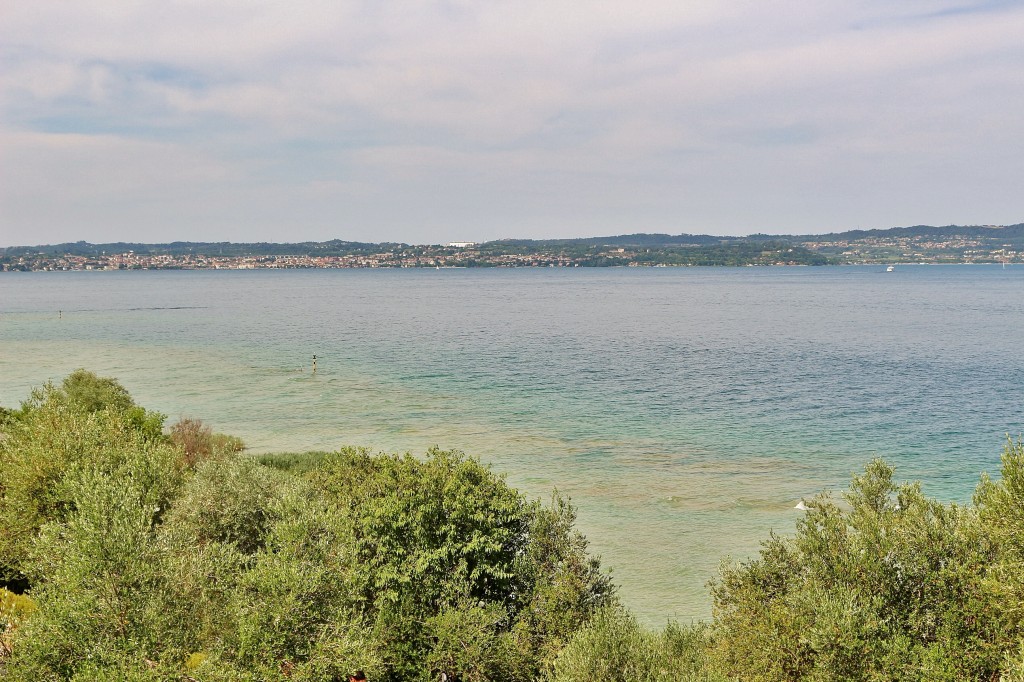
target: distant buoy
<point>314,364</point>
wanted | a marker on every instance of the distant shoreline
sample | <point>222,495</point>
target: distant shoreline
<point>228,268</point>
<point>896,246</point>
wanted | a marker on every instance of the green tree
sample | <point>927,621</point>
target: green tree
<point>104,605</point>
<point>444,547</point>
<point>893,586</point>
<point>84,422</point>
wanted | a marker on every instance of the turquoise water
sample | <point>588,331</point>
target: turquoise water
<point>684,410</point>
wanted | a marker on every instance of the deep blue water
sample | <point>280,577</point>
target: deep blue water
<point>685,410</point>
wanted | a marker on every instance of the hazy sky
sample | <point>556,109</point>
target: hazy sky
<point>437,121</point>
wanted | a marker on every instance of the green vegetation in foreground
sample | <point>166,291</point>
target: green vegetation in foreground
<point>133,553</point>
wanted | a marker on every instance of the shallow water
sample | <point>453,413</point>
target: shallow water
<point>684,410</point>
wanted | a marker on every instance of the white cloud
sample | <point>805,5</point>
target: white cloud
<point>667,110</point>
<point>102,166</point>
<point>70,183</point>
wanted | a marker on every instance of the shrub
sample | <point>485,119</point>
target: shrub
<point>197,441</point>
<point>468,644</point>
<point>103,600</point>
<point>444,545</point>
<point>7,415</point>
<point>299,463</point>
<point>14,608</point>
<point>230,501</point>
<point>83,391</point>
<point>614,647</point>
<point>562,584</point>
<point>90,393</point>
<point>894,587</point>
<point>162,558</point>
<point>295,607</point>
<point>52,436</point>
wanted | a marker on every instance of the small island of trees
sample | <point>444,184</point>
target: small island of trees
<point>134,552</point>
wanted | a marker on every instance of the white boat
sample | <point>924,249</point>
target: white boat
<point>891,268</point>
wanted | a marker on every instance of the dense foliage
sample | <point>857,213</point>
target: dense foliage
<point>146,554</point>
<point>85,423</point>
<point>157,557</point>
<point>888,586</point>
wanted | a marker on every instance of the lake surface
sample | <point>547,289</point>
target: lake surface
<point>685,411</point>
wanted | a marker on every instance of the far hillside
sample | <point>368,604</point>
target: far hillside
<point>918,244</point>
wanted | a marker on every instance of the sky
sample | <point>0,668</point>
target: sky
<point>429,122</point>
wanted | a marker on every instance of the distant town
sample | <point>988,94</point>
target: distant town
<point>919,244</point>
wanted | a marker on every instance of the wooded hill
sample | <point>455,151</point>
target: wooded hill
<point>1012,235</point>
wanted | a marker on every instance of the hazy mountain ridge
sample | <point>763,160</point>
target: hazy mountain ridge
<point>980,231</point>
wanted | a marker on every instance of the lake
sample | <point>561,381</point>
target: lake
<point>684,410</point>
